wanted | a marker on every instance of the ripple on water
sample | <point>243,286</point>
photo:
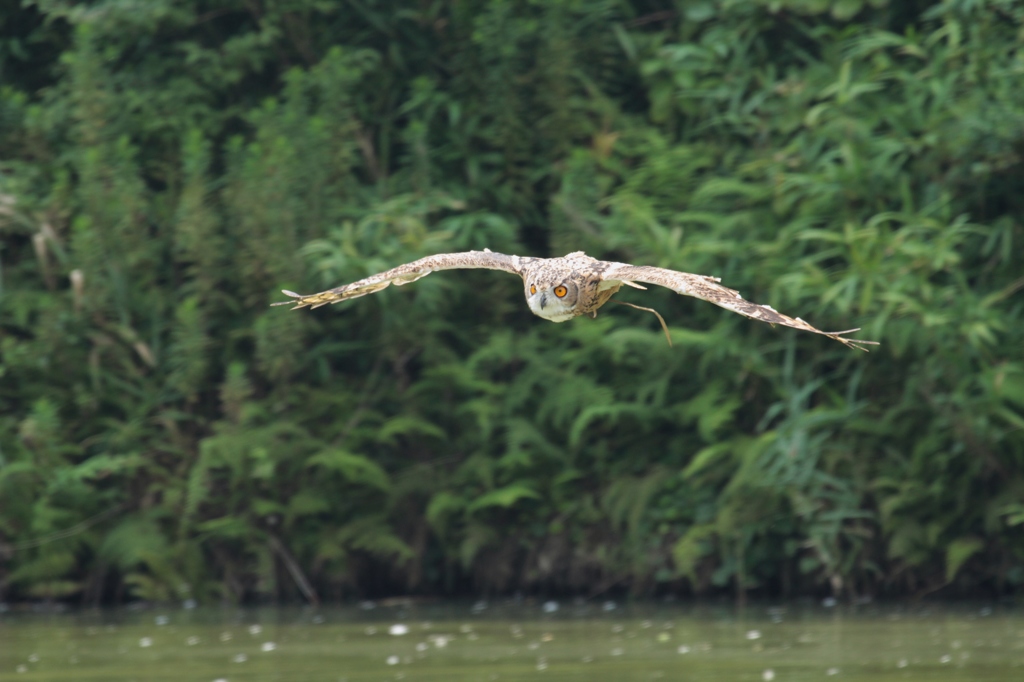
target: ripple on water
<point>811,644</point>
<point>440,641</point>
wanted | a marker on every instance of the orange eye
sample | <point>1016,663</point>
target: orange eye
<point>533,290</point>
<point>560,291</point>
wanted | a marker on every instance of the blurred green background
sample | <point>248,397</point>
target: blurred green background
<point>169,165</point>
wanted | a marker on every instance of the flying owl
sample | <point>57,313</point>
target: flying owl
<point>559,289</point>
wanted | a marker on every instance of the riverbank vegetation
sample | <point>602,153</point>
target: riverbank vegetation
<point>166,167</point>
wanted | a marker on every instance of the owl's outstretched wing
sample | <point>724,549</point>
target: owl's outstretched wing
<point>710,290</point>
<point>410,272</point>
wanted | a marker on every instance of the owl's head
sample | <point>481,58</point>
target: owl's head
<point>555,301</point>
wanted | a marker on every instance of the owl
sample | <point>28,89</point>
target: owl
<point>559,289</point>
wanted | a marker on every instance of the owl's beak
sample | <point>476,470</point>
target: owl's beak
<point>543,301</point>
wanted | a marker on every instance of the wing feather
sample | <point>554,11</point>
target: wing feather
<point>709,289</point>
<point>409,272</point>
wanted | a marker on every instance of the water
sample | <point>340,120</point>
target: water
<point>550,641</point>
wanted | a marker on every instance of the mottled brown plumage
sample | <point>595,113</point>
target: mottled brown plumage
<point>559,289</point>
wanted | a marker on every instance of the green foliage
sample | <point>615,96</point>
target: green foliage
<point>167,166</point>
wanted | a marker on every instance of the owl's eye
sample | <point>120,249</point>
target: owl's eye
<point>560,291</point>
<point>533,289</point>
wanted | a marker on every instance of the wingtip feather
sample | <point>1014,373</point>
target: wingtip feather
<point>853,343</point>
<point>288,293</point>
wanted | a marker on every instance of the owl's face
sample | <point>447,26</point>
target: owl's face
<point>555,301</point>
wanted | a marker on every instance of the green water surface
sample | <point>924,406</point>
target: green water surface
<point>531,641</point>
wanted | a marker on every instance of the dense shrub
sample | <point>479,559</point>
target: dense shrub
<point>168,166</point>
